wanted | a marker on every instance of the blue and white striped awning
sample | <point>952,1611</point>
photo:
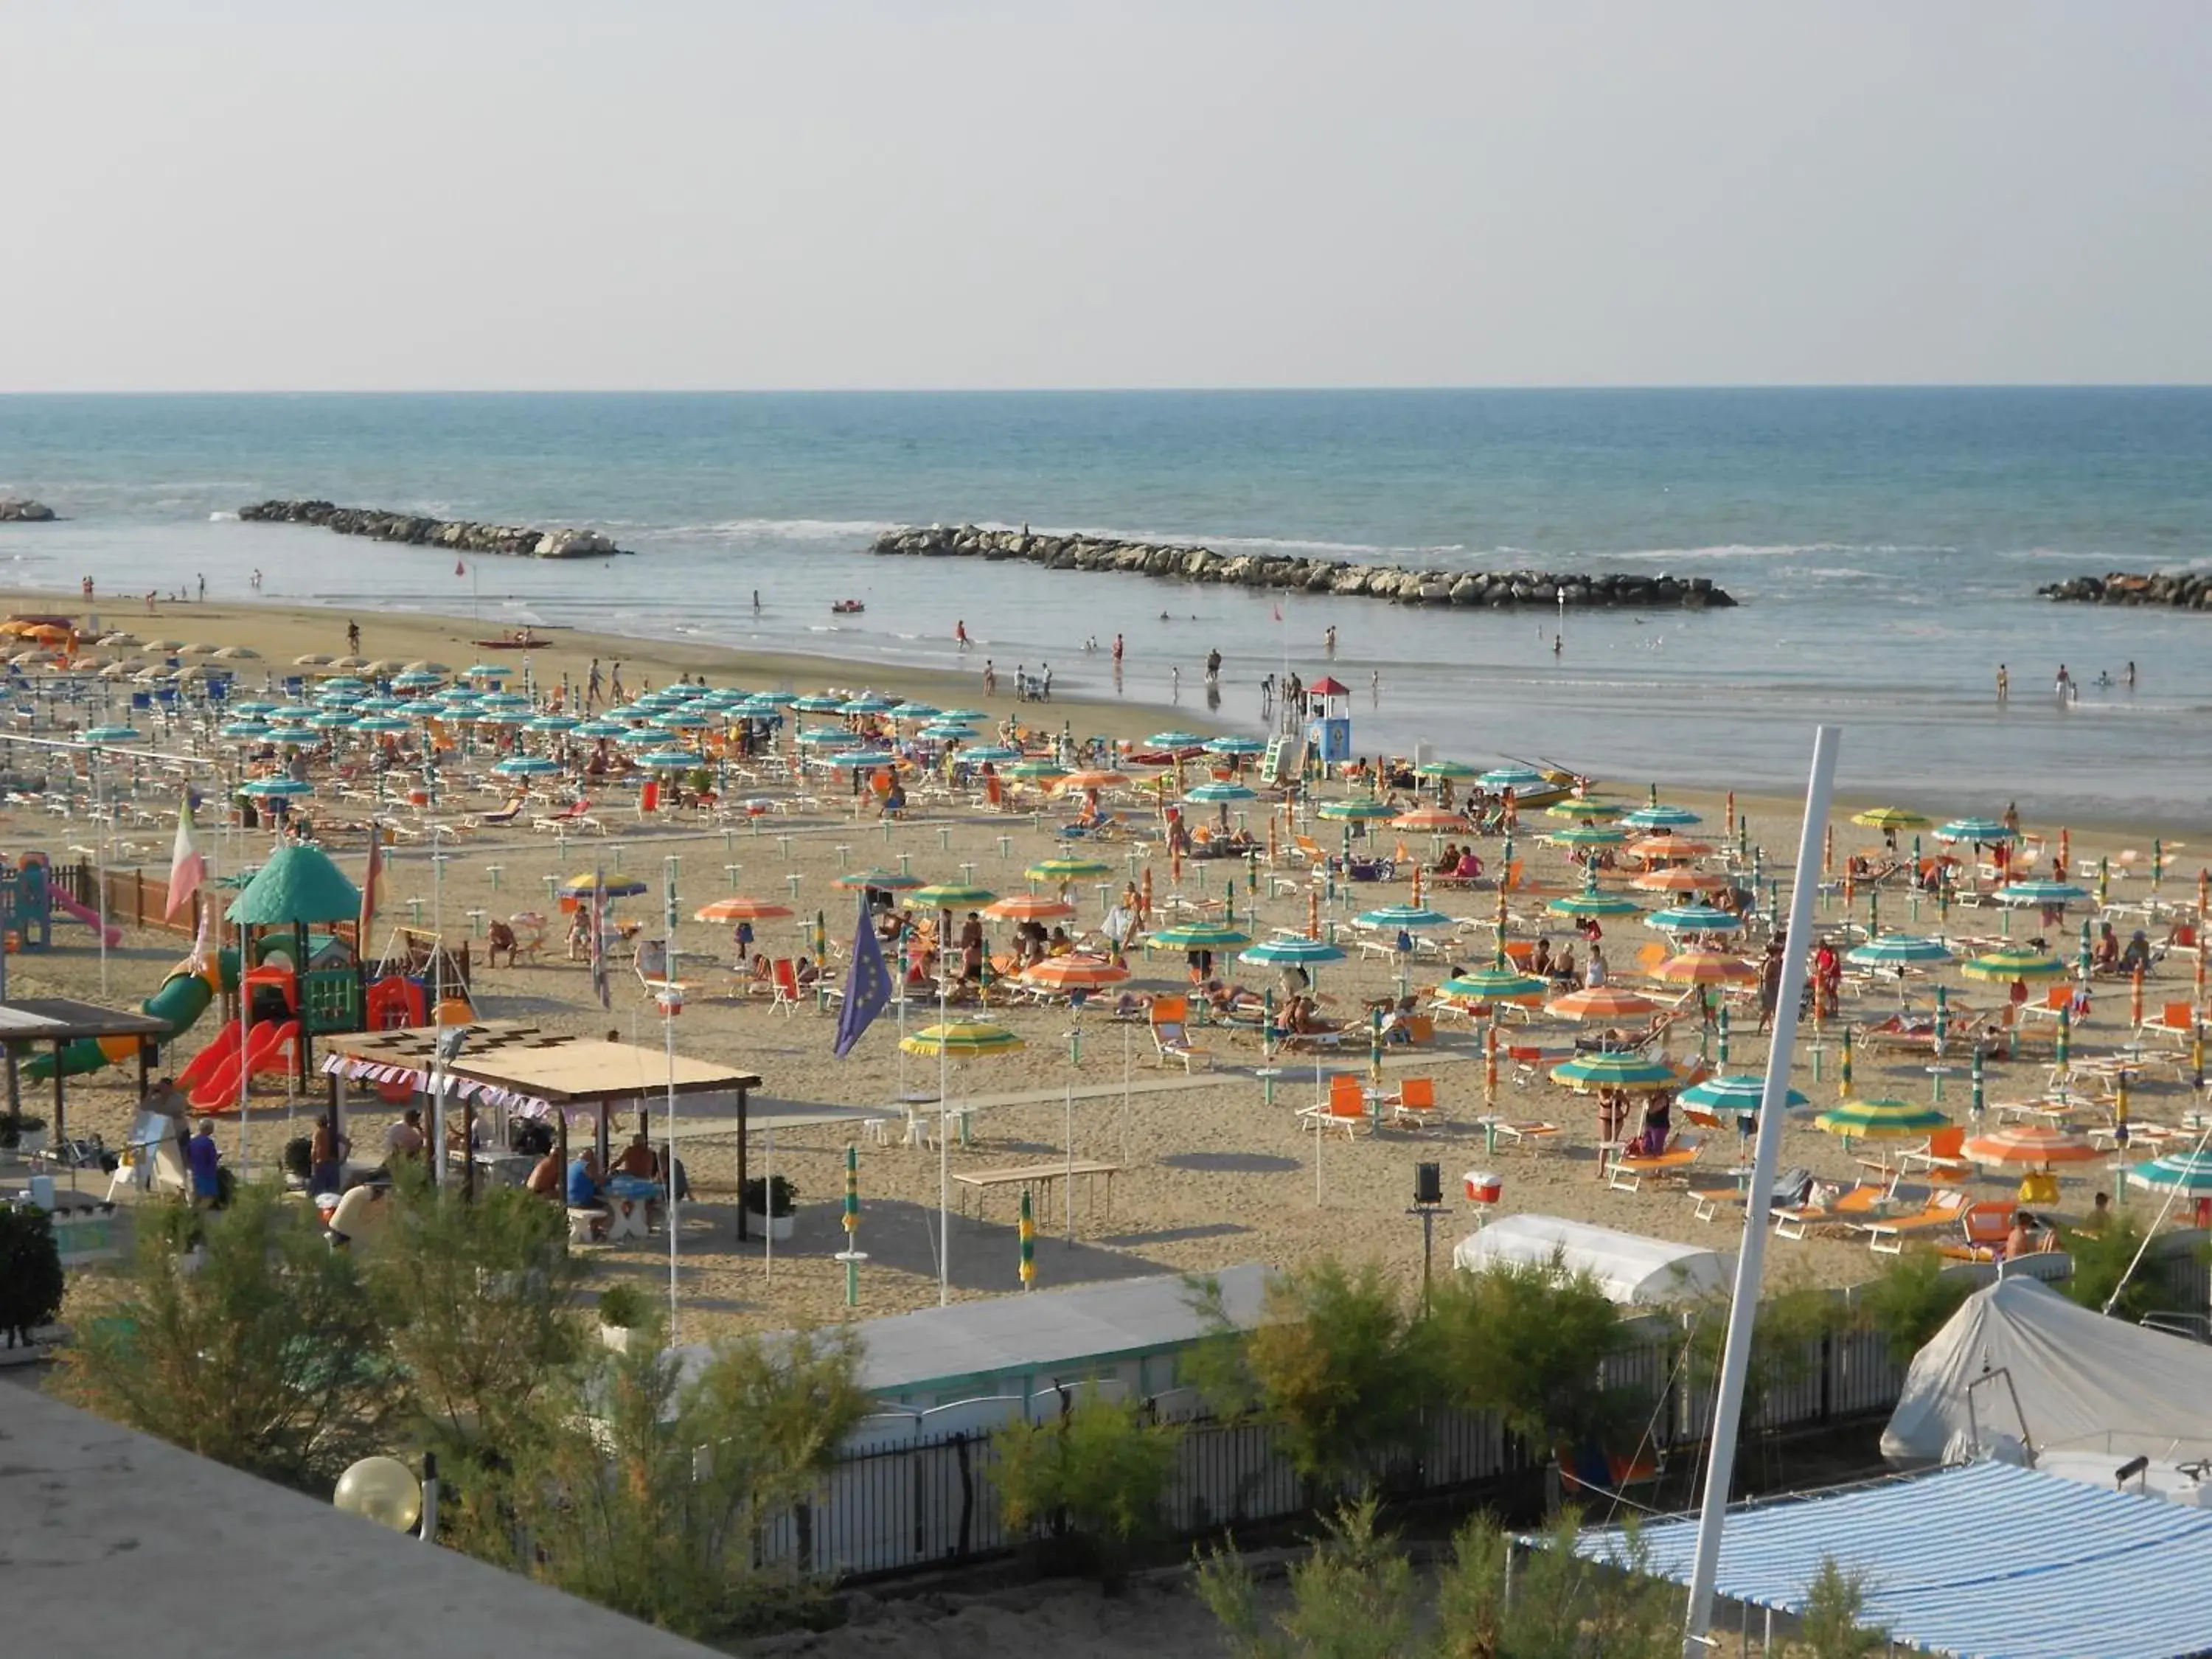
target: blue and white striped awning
<point>1985,1562</point>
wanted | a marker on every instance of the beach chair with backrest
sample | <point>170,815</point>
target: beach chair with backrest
<point>1939,1157</point>
<point>783,981</point>
<point>1983,1228</point>
<point>1848,1209</point>
<point>1415,1102</point>
<point>1170,1024</point>
<point>651,963</point>
<point>505,815</point>
<point>1346,1108</point>
<point>2177,1020</point>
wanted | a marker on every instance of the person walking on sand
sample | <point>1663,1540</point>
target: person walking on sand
<point>614,683</point>
<point>203,588</point>
<point>990,679</point>
<point>2131,673</point>
<point>592,688</point>
<point>353,638</point>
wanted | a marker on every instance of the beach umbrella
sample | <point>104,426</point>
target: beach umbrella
<point>2053,894</point>
<point>1702,965</point>
<point>1073,973</point>
<point>600,730</point>
<point>952,896</point>
<point>1199,936</point>
<point>1175,740</point>
<point>996,753</point>
<point>2034,1145</point>
<point>1090,779</point>
<point>1495,984</point>
<point>740,908</point>
<point>1445,768</point>
<point>97,734</point>
<point>312,659</point>
<point>669,759</point>
<point>1658,817</point>
<point>1516,778</point>
<point>526,766</point>
<point>946,732</point>
<point>868,703</point>
<point>961,1039</point>
<point>1234,745</point>
<point>233,652</point>
<point>1676,878</point>
<point>1890,817</point>
<point>1897,950</point>
<point>1588,835</point>
<point>852,760</point>
<point>254,710</point>
<point>556,723</point>
<point>1292,951</point>
<point>381,723</point>
<point>1988,832</point>
<point>883,881</point>
<point>1651,848</point>
<point>963,713</point>
<point>583,886</point>
<point>2003,967</point>
<point>243,730</point>
<point>1355,812</point>
<point>1216,792</point>
<point>1602,1004</point>
<point>1880,1119</point>
<point>818,702</point>
<point>486,671</point>
<point>1592,902</point>
<point>1694,918</point>
<point>826,737</point>
<point>1741,1095</point>
<point>1028,907</point>
<point>2189,1172</point>
<point>682,720</point>
<point>415,679</point>
<point>639,737</point>
<point>1585,810</point>
<point>1435,820</point>
<point>1064,870</point>
<point>1040,769</point>
<point>273,787</point>
<point>1394,916</point>
<point>1632,1073</point>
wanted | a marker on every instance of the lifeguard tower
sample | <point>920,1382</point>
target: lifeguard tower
<point>1328,720</point>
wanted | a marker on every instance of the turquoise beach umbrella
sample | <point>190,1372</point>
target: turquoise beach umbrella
<point>1694,918</point>
<point>1292,952</point>
<point>1175,740</point>
<point>1513,777</point>
<point>1236,745</point>
<point>1404,916</point>
<point>1656,816</point>
<point>1740,1095</point>
<point>526,766</point>
<point>1987,831</point>
<point>1898,951</point>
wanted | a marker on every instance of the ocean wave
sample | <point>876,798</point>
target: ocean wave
<point>766,530</point>
<point>222,518</point>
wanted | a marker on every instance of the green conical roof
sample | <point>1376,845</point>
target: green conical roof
<point>298,884</point>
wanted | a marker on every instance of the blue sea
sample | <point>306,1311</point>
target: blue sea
<point>1886,546</point>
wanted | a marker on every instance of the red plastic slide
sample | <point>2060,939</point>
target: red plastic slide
<point>270,1046</point>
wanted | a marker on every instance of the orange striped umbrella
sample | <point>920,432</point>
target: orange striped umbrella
<point>1676,878</point>
<point>1028,907</point>
<point>1703,966</point>
<point>1091,779</point>
<point>1603,1002</point>
<point>1428,818</point>
<point>1668,847</point>
<point>1075,973</point>
<point>741,909</point>
<point>2031,1143</point>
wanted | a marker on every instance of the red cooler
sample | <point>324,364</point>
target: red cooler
<point>1483,1187</point>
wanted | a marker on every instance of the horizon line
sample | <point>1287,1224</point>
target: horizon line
<point>1104,391</point>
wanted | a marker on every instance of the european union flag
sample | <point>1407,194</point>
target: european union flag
<point>867,985</point>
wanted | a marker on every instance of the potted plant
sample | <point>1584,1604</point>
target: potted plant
<point>30,1273</point>
<point>622,1310</point>
<point>772,1205</point>
<point>22,1133</point>
<point>299,1162</point>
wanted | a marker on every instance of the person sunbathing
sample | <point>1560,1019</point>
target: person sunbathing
<point>1302,1018</point>
<point>1228,1000</point>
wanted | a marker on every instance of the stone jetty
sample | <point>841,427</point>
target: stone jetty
<point>2181,590</point>
<point>515,541</point>
<point>14,509</point>
<point>1493,589</point>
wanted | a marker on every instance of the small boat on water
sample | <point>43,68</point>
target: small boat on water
<point>521,639</point>
<point>846,608</point>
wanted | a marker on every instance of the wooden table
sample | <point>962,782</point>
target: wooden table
<point>983,1181</point>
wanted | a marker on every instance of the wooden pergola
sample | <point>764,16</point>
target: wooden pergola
<point>25,1022</point>
<point>532,1069</point>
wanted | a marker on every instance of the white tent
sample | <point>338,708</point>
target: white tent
<point>1632,1270</point>
<point>2080,1378</point>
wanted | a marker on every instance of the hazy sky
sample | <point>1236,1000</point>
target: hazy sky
<point>713,193</point>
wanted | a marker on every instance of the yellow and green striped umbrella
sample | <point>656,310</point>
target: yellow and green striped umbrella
<point>961,1039</point>
<point>1586,812</point>
<point>1495,984</point>
<point>2003,967</point>
<point>1890,817</point>
<point>1880,1119</point>
<point>952,896</point>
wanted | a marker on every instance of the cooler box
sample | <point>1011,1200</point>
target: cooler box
<point>1483,1187</point>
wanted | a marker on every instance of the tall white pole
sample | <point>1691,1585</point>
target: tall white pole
<point>1743,1311</point>
<point>100,841</point>
<point>944,1131</point>
<point>668,1107</point>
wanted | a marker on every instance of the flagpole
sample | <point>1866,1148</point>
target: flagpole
<point>668,1006</point>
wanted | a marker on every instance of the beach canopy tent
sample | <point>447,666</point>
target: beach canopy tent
<point>1989,1560</point>
<point>513,1064</point>
<point>2074,1373</point>
<point>1631,1269</point>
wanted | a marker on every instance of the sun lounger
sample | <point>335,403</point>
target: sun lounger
<point>1169,1017</point>
<point>1628,1174</point>
<point>1943,1209</point>
<point>1851,1209</point>
<point>1346,1108</point>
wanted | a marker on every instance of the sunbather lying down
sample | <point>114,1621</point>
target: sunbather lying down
<point>1302,1017</point>
<point>1226,999</point>
<point>1131,1005</point>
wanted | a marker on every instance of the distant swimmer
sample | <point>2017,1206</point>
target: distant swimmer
<point>960,635</point>
<point>1175,682</point>
<point>1328,639</point>
<point>2131,674</point>
<point>1213,664</point>
<point>1117,648</point>
<point>2004,684</point>
<point>1559,643</point>
<point>2065,681</point>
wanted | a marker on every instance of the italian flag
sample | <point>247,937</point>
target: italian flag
<point>187,869</point>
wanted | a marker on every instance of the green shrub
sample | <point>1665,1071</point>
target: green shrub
<point>1829,1628</point>
<point>1352,1598</point>
<point>1097,1474</point>
<point>1528,1342</point>
<point>2105,1263</point>
<point>623,1306</point>
<point>31,1287</point>
<point>761,1191</point>
<point>1911,1299</point>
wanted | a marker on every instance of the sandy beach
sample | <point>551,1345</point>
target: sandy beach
<point>1213,1171</point>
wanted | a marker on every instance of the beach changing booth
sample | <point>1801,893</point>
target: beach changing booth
<point>1632,1270</point>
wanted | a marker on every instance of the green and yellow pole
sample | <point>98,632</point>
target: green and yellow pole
<point>1029,1241</point>
<point>2196,1054</point>
<point>2065,1051</point>
<point>2120,1100</point>
<point>1844,1065</point>
<point>2103,882</point>
<point>851,1255</point>
<point>1490,1068</point>
<point>1874,911</point>
<point>2157,864</point>
<point>1979,1099</point>
<point>1720,1035</point>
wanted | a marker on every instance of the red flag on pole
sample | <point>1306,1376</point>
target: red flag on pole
<point>369,884</point>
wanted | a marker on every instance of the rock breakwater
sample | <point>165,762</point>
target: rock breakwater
<point>2181,590</point>
<point>1493,589</point>
<point>461,535</point>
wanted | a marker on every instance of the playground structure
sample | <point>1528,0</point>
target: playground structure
<point>29,896</point>
<point>295,985</point>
